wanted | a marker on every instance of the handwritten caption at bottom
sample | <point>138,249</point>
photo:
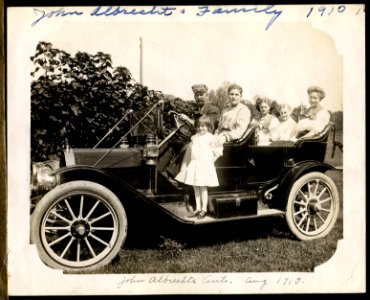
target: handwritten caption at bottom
<point>210,279</point>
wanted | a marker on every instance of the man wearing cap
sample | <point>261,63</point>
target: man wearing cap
<point>204,107</point>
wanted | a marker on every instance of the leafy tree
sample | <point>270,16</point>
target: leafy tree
<point>79,98</point>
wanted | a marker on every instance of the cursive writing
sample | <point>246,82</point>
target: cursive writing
<point>268,10</point>
<point>169,279</point>
<point>109,11</point>
<point>261,282</point>
<point>129,280</point>
<point>54,13</point>
<point>216,279</point>
<point>114,11</point>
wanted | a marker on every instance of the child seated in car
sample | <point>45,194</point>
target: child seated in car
<point>287,126</point>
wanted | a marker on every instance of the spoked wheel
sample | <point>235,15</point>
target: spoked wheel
<point>313,206</point>
<point>79,225</point>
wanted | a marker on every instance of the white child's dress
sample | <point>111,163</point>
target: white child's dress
<point>198,168</point>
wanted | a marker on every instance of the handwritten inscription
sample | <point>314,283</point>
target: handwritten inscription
<point>53,13</point>
<point>210,279</point>
<point>110,11</point>
<point>165,11</point>
<point>130,280</point>
<point>170,279</point>
<point>215,279</point>
<point>260,282</point>
<point>322,10</point>
<point>268,10</point>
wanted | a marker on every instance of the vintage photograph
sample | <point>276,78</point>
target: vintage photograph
<point>186,149</point>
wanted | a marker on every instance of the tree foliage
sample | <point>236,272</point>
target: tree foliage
<point>79,98</point>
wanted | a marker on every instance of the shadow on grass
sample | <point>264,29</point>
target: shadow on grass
<point>211,234</point>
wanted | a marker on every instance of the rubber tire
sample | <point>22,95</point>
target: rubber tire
<point>52,197</point>
<point>289,209</point>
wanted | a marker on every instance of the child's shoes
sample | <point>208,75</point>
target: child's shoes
<point>195,214</point>
<point>202,214</point>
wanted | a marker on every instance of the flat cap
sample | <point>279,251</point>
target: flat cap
<point>316,89</point>
<point>199,88</point>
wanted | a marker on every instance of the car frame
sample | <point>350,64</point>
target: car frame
<point>92,198</point>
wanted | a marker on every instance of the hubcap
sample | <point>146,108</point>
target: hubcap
<point>80,229</point>
<point>313,207</point>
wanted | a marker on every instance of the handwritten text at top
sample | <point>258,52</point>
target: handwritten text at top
<point>166,11</point>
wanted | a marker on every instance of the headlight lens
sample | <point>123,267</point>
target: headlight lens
<point>42,176</point>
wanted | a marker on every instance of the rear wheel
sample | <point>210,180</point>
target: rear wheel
<point>79,225</point>
<point>313,206</point>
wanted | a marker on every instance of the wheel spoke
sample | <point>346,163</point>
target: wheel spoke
<point>51,221</point>
<point>89,246</point>
<point>70,209</point>
<point>303,218</point>
<point>308,223</point>
<point>327,210</point>
<point>56,228</point>
<point>299,203</point>
<point>322,192</point>
<point>67,247</point>
<point>92,210</point>
<point>321,218</point>
<point>81,207</point>
<point>316,186</point>
<point>60,239</point>
<point>98,239</point>
<point>102,228</point>
<point>303,195</point>
<point>309,190</point>
<point>325,200</point>
<point>78,254</point>
<point>315,223</point>
<point>60,217</point>
<point>300,211</point>
<point>101,217</point>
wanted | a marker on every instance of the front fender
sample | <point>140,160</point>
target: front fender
<point>293,174</point>
<point>118,186</point>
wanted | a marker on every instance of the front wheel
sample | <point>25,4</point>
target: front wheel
<point>79,225</point>
<point>313,206</point>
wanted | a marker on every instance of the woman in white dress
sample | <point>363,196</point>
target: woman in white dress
<point>198,167</point>
<point>315,118</point>
<point>235,118</point>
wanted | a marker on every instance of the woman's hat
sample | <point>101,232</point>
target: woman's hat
<point>316,89</point>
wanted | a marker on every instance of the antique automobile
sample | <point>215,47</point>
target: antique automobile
<point>95,197</point>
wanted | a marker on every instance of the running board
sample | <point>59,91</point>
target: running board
<point>178,209</point>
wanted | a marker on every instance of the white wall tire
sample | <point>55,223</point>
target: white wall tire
<point>79,226</point>
<point>313,206</point>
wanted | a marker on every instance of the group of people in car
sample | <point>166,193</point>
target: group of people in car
<point>206,146</point>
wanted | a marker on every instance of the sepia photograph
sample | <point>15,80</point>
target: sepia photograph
<point>185,149</point>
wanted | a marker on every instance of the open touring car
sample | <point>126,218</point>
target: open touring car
<point>94,197</point>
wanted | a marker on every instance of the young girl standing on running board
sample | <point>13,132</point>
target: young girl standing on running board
<point>198,167</point>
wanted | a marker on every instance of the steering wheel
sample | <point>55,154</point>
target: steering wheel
<point>183,126</point>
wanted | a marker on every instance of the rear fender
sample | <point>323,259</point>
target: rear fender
<point>292,175</point>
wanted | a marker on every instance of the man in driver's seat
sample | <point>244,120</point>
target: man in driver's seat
<point>204,107</point>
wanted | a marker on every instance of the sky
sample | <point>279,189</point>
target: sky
<point>279,63</point>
